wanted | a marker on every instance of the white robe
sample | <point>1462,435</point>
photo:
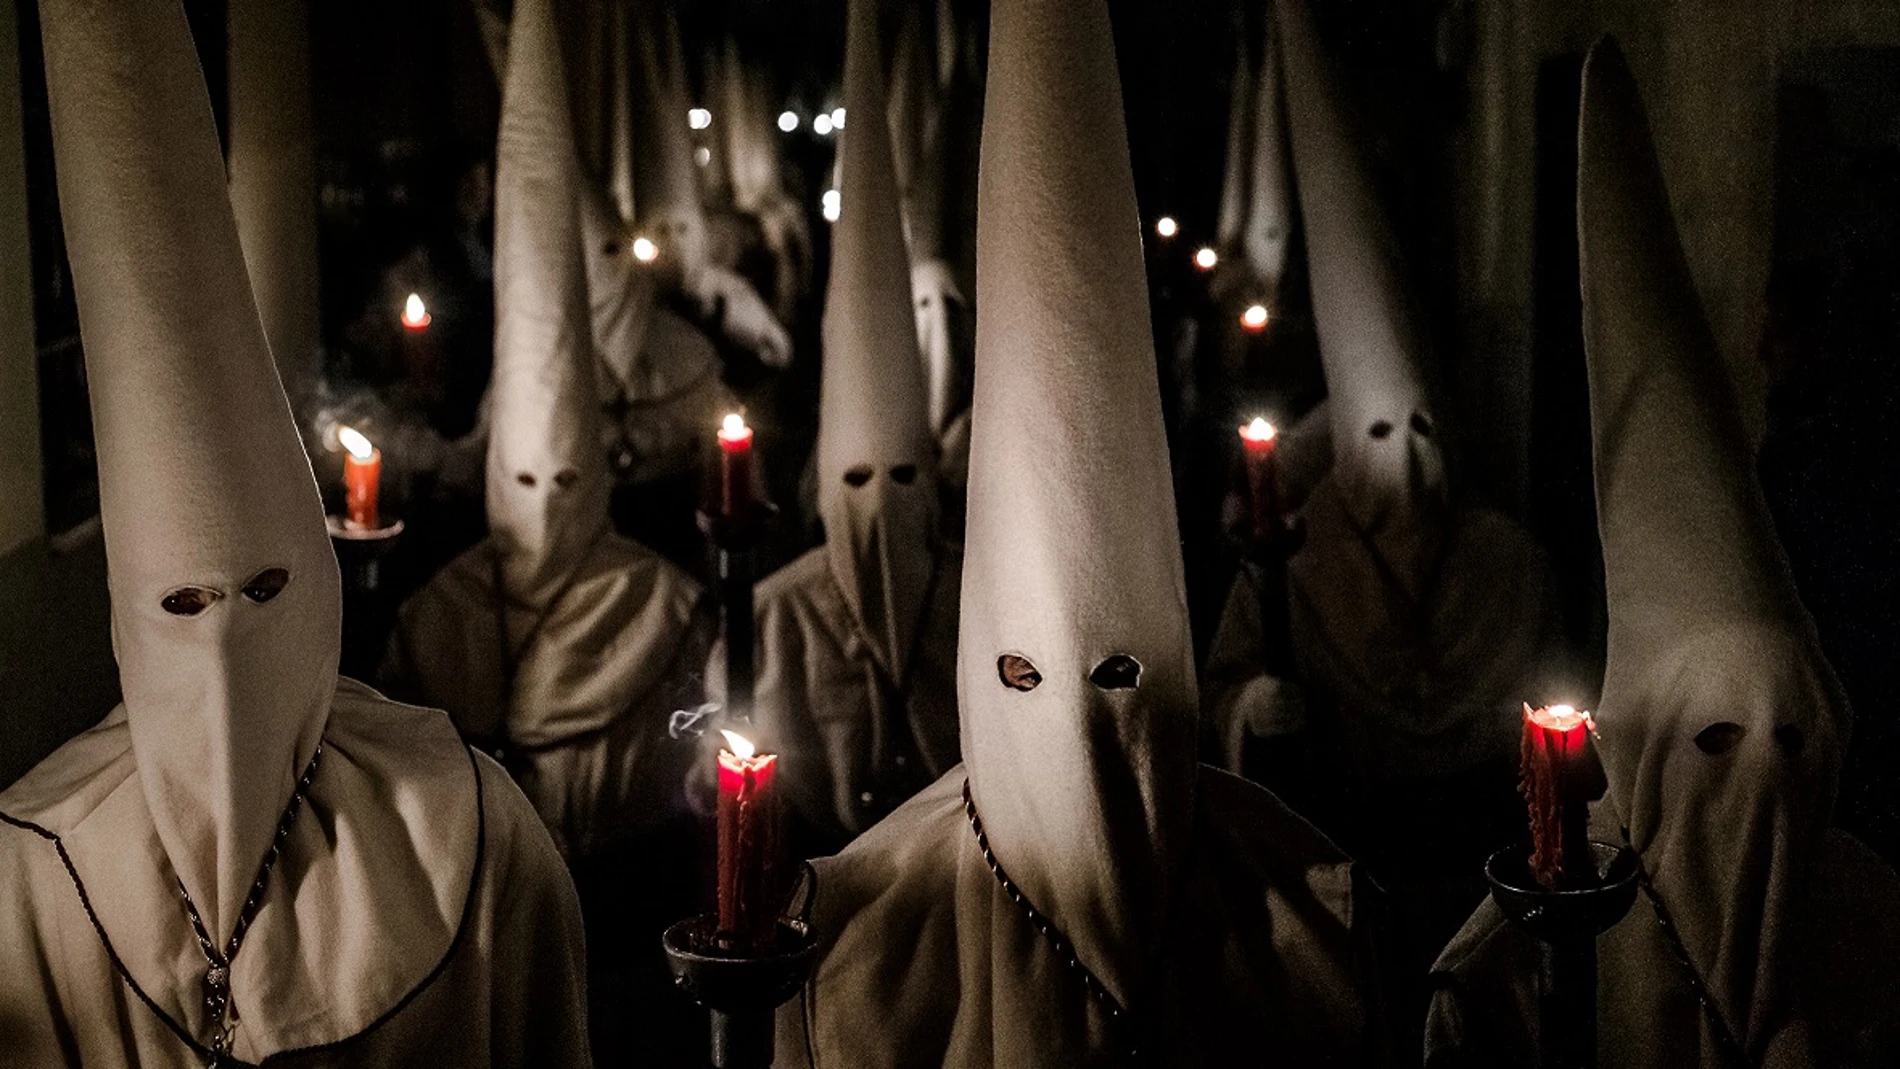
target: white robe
<point>418,914</point>
<point>861,743</point>
<point>1436,691</point>
<point>1485,984</point>
<point>924,961</point>
<point>583,721</point>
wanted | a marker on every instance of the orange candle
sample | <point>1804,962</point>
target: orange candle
<point>1558,782</point>
<point>1258,441</point>
<point>1254,319</point>
<point>362,478</point>
<point>735,468</point>
<point>748,847</point>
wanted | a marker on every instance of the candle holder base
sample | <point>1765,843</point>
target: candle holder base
<point>742,992</point>
<point>1567,922</point>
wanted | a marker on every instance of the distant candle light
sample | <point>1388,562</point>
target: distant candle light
<point>788,121</point>
<point>362,477</point>
<point>833,205</point>
<point>1167,227</point>
<point>645,251</point>
<point>415,315</point>
<point>821,125</point>
<point>702,155</point>
<point>698,118</point>
<point>837,118</point>
<point>1255,317</point>
<point>1258,431</point>
<point>1206,258</point>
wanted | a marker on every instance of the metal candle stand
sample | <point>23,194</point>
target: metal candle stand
<point>359,553</point>
<point>742,992</point>
<point>735,538</point>
<point>1568,923</point>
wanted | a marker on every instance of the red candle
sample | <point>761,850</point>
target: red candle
<point>1558,781</point>
<point>362,478</point>
<point>1258,440</point>
<point>415,315</point>
<point>748,848</point>
<point>735,468</point>
<point>1254,319</point>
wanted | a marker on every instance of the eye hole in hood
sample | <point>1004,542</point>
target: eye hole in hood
<point>1119,672</point>
<point>189,600</point>
<point>266,585</point>
<point>1718,739</point>
<point>1017,673</point>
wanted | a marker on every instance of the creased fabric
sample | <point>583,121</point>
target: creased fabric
<point>397,845</point>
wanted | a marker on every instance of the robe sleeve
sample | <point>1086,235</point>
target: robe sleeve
<point>1241,698</point>
<point>31,1029</point>
<point>539,970</point>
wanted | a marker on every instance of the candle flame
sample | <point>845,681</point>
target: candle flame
<point>821,125</point>
<point>1206,258</point>
<point>1166,226</point>
<point>1255,317</point>
<point>1559,717</point>
<point>788,121</point>
<point>739,746</point>
<point>354,441</point>
<point>644,250</point>
<point>733,426</point>
<point>833,202</point>
<point>1258,431</point>
<point>698,118</point>
<point>414,312</point>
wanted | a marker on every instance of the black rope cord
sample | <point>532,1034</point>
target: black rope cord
<point>1731,1047</point>
<point>1117,1015</point>
<point>217,980</point>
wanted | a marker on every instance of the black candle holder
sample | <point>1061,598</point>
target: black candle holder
<point>367,613</point>
<point>743,993</point>
<point>1567,922</point>
<point>734,538</point>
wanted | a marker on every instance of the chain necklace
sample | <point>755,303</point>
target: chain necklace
<point>217,978</point>
<point>1117,1015</point>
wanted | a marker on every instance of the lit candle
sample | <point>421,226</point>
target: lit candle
<point>362,477</point>
<point>735,467</point>
<point>1558,782</point>
<point>644,250</point>
<point>1258,442</point>
<point>1166,226</point>
<point>748,847</point>
<point>1206,258</point>
<point>1254,318</point>
<point>415,315</point>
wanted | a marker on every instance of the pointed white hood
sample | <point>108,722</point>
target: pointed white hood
<point>1237,177</point>
<point>225,595</point>
<point>1388,468</point>
<point>1269,209</point>
<point>876,459</point>
<point>1722,724</point>
<point>1086,782</point>
<point>547,477</point>
<point>665,186</point>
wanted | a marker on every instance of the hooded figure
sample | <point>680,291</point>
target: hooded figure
<point>1721,724</point>
<point>945,337</point>
<point>554,641</point>
<point>758,185</point>
<point>1080,887</point>
<point>666,196</point>
<point>1416,621</point>
<point>857,638</point>
<point>390,898</point>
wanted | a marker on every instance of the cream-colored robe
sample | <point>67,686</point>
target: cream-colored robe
<point>1433,689</point>
<point>1485,984</point>
<point>925,961</point>
<point>418,915</point>
<point>824,704</point>
<point>583,723</point>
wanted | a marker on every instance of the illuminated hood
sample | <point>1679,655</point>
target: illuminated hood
<point>226,603</point>
<point>1388,467</point>
<point>547,474</point>
<point>876,458</point>
<point>1722,724</point>
<point>1075,670</point>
